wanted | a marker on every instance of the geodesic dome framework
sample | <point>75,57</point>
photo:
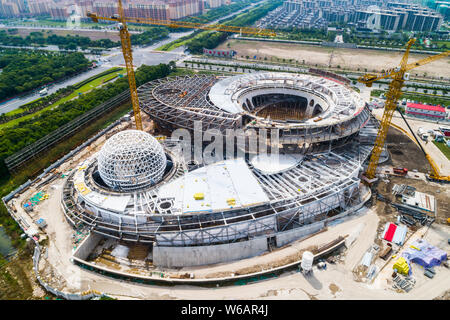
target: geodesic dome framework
<point>131,160</point>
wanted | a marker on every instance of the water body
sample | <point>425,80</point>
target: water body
<point>6,247</point>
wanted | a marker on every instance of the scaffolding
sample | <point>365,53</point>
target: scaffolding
<point>180,102</point>
<point>323,185</point>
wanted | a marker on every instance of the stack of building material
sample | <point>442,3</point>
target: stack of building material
<point>405,284</point>
<point>367,259</point>
<point>389,231</point>
<point>386,253</point>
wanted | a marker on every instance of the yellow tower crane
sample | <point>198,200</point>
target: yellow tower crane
<point>127,50</point>
<point>398,75</point>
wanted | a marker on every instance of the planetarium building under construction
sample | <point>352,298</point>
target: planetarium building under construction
<point>142,190</point>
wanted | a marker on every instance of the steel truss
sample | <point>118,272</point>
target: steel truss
<point>322,185</point>
<point>325,183</point>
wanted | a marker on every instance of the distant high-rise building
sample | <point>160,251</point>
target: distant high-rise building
<point>39,7</point>
<point>215,3</point>
<point>85,6</point>
<point>9,9</point>
<point>373,14</point>
<point>155,9</point>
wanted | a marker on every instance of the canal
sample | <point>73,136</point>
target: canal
<point>6,247</point>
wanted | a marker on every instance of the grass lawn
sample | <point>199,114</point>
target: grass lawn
<point>418,96</point>
<point>179,42</point>
<point>443,147</point>
<point>87,87</point>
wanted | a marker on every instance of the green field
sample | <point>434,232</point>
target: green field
<point>420,97</point>
<point>83,89</point>
<point>180,42</point>
<point>443,147</point>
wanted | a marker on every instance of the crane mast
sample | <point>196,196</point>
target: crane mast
<point>128,57</point>
<point>128,52</point>
<point>393,94</point>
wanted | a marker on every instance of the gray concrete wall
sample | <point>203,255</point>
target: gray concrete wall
<point>87,246</point>
<point>295,234</point>
<point>170,257</point>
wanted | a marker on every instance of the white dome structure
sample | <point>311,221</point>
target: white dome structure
<point>131,160</point>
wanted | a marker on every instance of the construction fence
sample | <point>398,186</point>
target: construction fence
<point>87,295</point>
<point>24,226</point>
<point>21,157</point>
<point>60,161</point>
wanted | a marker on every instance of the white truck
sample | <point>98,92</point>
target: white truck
<point>43,92</point>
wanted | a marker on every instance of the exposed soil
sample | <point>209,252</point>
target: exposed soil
<point>372,60</point>
<point>138,252</point>
<point>440,191</point>
<point>444,296</point>
<point>405,153</point>
<point>16,279</point>
<point>334,288</point>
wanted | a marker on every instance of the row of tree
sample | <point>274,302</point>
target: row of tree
<point>150,36</point>
<point>212,40</point>
<point>70,42</point>
<point>65,42</point>
<point>28,131</point>
<point>23,71</point>
<point>48,100</point>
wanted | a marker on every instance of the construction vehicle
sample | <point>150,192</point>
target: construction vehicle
<point>127,50</point>
<point>398,75</point>
<point>435,174</point>
<point>400,171</point>
<point>43,92</point>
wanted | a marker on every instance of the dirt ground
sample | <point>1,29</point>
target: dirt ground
<point>92,34</point>
<point>445,296</point>
<point>405,153</point>
<point>440,191</point>
<point>373,60</point>
<point>413,158</point>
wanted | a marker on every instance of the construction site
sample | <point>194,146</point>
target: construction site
<point>307,202</point>
<point>131,206</point>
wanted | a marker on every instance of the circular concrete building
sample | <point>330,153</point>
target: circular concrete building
<point>235,207</point>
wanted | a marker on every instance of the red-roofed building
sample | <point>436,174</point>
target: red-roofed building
<point>426,111</point>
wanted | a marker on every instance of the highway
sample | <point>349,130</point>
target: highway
<point>15,103</point>
<point>113,58</point>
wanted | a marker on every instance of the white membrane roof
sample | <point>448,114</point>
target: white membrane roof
<point>342,102</point>
<point>228,184</point>
<point>275,163</point>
